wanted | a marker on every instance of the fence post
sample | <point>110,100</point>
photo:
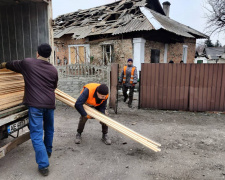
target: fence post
<point>108,82</point>
<point>139,91</point>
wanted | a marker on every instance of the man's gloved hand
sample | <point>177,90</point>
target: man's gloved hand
<point>89,117</point>
<point>133,85</point>
<point>2,65</point>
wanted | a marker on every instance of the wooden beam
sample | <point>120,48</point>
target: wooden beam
<point>110,122</point>
<point>16,142</point>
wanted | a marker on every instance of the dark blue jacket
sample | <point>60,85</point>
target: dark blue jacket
<point>82,100</point>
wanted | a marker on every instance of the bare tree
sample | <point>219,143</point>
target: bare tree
<point>215,16</point>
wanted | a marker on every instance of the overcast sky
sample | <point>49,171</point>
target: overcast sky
<point>188,12</point>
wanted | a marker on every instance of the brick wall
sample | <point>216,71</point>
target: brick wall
<point>61,47</point>
<point>123,49</point>
<point>149,45</point>
<point>175,51</point>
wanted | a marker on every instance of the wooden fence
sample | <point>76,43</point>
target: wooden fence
<point>194,87</point>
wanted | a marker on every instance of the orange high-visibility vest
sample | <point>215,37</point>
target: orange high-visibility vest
<point>91,99</point>
<point>125,76</point>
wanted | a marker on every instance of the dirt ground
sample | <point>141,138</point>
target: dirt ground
<point>192,148</point>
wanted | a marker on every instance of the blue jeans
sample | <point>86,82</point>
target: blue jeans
<point>39,119</point>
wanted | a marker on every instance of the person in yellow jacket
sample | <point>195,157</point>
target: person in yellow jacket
<point>94,95</point>
<point>129,78</point>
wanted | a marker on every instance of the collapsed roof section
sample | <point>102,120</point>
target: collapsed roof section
<point>118,18</point>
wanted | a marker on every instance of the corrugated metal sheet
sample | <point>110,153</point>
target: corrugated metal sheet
<point>22,28</point>
<point>119,21</point>
<point>135,25</point>
<point>62,32</point>
<point>193,87</point>
<point>176,27</point>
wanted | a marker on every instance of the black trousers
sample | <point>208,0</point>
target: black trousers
<point>131,93</point>
<point>83,121</point>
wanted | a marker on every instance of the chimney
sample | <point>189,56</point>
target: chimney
<point>166,8</point>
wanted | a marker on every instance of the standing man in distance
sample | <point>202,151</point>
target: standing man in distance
<point>129,79</point>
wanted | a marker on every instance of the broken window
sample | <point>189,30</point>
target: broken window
<point>155,55</point>
<point>79,54</point>
<point>107,54</point>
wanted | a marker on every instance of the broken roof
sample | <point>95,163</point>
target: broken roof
<point>120,17</point>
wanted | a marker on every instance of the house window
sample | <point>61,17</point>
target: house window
<point>107,54</point>
<point>79,54</point>
<point>185,51</point>
<point>155,55</point>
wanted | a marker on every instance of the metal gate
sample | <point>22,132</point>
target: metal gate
<point>114,86</point>
<point>193,87</point>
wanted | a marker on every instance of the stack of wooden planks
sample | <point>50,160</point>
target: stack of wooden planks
<point>110,122</point>
<point>11,89</point>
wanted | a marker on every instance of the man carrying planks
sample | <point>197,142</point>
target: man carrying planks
<point>95,95</point>
<point>129,78</point>
<point>41,79</point>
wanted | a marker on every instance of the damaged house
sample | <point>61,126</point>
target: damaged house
<point>112,33</point>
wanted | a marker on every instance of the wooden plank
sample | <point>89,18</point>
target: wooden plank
<point>16,142</point>
<point>72,55</point>
<point>81,55</point>
<point>110,122</point>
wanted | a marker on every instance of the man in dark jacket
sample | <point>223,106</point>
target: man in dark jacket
<point>41,79</point>
<point>94,95</point>
<point>129,78</point>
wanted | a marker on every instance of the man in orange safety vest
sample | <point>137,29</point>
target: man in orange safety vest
<point>129,78</point>
<point>94,95</point>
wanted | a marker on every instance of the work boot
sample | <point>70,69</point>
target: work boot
<point>78,138</point>
<point>49,154</point>
<point>44,171</point>
<point>129,105</point>
<point>106,139</point>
